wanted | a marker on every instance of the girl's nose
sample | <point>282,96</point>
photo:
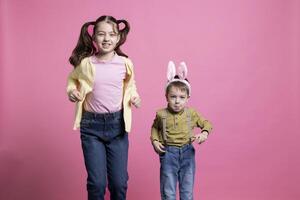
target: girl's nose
<point>106,37</point>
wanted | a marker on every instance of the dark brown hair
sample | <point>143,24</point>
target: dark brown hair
<point>85,46</point>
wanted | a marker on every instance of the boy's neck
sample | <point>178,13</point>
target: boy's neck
<point>173,112</point>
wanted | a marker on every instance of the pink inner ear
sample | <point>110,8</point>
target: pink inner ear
<point>121,26</point>
<point>90,30</point>
<point>182,70</point>
<point>171,71</point>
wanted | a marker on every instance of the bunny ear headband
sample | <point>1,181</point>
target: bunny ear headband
<point>182,74</point>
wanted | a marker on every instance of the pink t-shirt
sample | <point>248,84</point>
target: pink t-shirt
<point>107,93</point>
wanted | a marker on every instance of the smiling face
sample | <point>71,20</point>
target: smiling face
<point>177,98</point>
<point>106,37</point>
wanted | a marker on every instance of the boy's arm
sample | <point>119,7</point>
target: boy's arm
<point>205,126</point>
<point>155,129</point>
<point>202,123</point>
<point>155,136</point>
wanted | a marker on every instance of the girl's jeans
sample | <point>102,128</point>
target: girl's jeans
<point>177,164</point>
<point>105,149</point>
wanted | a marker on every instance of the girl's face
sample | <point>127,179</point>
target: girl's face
<point>177,99</point>
<point>106,37</point>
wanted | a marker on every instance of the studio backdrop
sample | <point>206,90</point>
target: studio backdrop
<point>243,61</point>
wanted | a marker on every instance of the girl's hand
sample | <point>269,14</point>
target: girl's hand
<point>201,137</point>
<point>136,101</point>
<point>74,96</point>
<point>158,147</point>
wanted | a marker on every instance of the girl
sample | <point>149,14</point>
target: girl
<point>103,87</point>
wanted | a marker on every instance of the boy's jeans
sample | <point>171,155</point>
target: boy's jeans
<point>178,163</point>
<point>105,149</point>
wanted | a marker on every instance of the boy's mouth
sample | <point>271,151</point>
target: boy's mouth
<point>176,107</point>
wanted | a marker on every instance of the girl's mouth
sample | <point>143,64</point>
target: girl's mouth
<point>105,45</point>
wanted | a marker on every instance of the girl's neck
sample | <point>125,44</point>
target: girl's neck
<point>105,56</point>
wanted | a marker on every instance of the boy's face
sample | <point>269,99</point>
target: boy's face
<point>177,99</point>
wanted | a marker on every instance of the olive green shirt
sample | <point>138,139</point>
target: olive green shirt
<point>177,128</point>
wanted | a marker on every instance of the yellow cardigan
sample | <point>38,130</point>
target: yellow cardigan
<point>82,78</point>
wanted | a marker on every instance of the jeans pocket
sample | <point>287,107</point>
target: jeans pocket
<point>162,156</point>
<point>116,127</point>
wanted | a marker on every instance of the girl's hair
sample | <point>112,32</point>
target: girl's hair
<point>85,46</point>
<point>178,84</point>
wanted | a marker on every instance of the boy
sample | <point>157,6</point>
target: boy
<point>172,137</point>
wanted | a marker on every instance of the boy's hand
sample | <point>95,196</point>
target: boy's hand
<point>158,147</point>
<point>74,95</point>
<point>136,101</point>
<point>201,137</point>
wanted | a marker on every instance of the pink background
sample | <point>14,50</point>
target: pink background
<point>243,57</point>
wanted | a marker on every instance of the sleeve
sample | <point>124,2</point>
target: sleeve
<point>201,122</point>
<point>72,81</point>
<point>155,129</point>
<point>80,76</point>
<point>131,83</point>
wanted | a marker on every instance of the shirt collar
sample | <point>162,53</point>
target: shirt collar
<point>175,113</point>
<point>116,59</point>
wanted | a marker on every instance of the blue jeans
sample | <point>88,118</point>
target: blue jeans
<point>177,164</point>
<point>105,149</point>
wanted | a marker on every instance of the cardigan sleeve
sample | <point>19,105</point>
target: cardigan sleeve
<point>72,81</point>
<point>81,77</point>
<point>131,84</point>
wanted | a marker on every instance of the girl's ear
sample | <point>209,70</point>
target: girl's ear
<point>182,70</point>
<point>171,71</point>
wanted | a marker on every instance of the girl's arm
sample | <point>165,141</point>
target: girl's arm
<point>72,81</point>
<point>135,97</point>
<point>79,77</point>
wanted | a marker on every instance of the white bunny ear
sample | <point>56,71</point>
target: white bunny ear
<point>182,70</point>
<point>171,71</point>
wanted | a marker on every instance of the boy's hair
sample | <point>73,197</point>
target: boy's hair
<point>178,84</point>
<point>85,46</point>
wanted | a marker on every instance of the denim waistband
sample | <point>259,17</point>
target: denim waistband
<point>111,115</point>
<point>176,148</point>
